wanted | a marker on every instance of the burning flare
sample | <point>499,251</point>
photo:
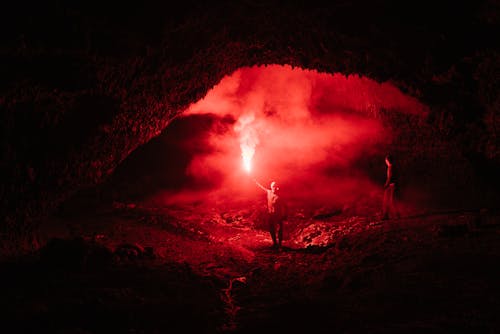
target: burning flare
<point>247,159</point>
<point>248,139</point>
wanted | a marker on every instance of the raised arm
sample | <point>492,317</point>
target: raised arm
<point>260,185</point>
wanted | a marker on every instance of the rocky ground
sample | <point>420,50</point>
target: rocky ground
<point>138,268</point>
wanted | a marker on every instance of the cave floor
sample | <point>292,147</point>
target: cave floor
<point>195,268</point>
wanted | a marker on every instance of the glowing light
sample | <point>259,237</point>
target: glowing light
<point>247,162</point>
<point>248,139</point>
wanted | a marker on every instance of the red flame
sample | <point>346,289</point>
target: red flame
<point>248,139</point>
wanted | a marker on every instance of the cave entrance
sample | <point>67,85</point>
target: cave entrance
<point>322,137</point>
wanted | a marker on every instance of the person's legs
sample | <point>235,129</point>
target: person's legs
<point>385,204</point>
<point>272,229</point>
<point>280,232</point>
<point>390,201</point>
<point>393,205</point>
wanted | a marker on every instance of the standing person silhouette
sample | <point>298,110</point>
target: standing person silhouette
<point>276,212</point>
<point>389,208</point>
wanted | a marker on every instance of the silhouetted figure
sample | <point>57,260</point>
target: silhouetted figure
<point>276,210</point>
<point>389,207</point>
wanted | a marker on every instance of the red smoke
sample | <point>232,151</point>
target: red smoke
<point>312,133</point>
